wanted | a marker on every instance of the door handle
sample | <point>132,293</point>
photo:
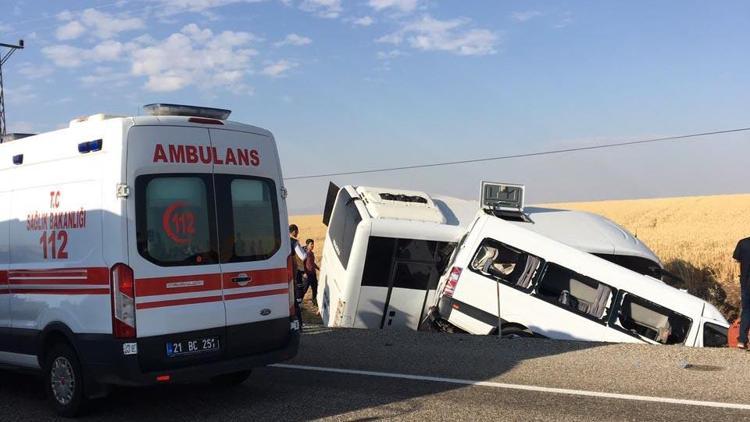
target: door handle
<point>241,279</point>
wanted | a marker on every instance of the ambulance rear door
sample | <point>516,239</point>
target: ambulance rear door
<point>252,217</point>
<point>173,246</point>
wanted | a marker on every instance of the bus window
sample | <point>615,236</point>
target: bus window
<point>575,292</point>
<point>646,319</point>
<point>343,226</point>
<point>505,264</point>
<point>714,335</point>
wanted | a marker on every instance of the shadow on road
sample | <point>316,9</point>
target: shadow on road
<point>277,393</point>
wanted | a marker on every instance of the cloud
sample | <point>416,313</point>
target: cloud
<point>392,54</point>
<point>194,56</point>
<point>70,31</point>
<point>64,55</point>
<point>293,39</point>
<point>399,5</point>
<point>35,71</point>
<point>329,9</point>
<point>278,69</point>
<point>173,7</point>
<point>526,15</point>
<point>22,94</point>
<point>101,24</point>
<point>363,21</point>
<point>429,34</point>
<point>106,75</point>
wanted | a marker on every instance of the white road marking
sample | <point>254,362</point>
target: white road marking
<point>584,393</point>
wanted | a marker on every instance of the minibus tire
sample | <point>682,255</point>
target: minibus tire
<point>67,397</point>
<point>232,379</point>
<point>516,332</point>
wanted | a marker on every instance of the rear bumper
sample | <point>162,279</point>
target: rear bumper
<point>103,359</point>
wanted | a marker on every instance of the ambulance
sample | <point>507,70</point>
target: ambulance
<point>143,250</point>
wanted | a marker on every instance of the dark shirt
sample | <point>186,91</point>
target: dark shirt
<point>742,254</point>
<point>310,265</point>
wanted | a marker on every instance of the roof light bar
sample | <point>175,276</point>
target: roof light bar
<point>162,109</point>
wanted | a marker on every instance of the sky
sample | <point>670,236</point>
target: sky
<point>349,85</point>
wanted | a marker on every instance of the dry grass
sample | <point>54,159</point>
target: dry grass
<point>694,237</point>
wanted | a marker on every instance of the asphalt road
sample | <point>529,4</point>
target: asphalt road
<point>276,393</point>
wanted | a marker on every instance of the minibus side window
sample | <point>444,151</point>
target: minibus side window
<point>248,218</point>
<point>714,335</point>
<point>575,292</point>
<point>643,318</point>
<point>174,219</point>
<point>506,264</point>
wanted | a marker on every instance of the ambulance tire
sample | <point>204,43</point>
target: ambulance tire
<point>231,379</point>
<point>66,391</point>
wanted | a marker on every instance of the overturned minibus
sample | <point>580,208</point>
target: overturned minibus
<point>385,249</point>
<point>504,277</point>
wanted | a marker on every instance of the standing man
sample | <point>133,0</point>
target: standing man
<point>299,255</point>
<point>742,254</point>
<point>310,271</point>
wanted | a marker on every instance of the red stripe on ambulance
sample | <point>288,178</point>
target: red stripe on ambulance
<point>257,278</point>
<point>257,294</point>
<point>94,276</point>
<point>179,284</point>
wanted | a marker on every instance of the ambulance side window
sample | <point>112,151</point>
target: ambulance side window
<point>174,219</point>
<point>248,218</point>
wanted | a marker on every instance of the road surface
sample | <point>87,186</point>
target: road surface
<point>359,375</point>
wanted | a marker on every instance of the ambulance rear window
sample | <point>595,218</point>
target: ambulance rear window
<point>250,228</point>
<point>175,216</point>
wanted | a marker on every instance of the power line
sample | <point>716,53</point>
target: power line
<point>524,155</point>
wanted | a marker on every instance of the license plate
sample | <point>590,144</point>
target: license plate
<point>190,347</point>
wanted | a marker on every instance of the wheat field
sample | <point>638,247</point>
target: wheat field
<point>693,236</point>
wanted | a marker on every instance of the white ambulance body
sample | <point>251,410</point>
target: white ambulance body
<point>137,250</point>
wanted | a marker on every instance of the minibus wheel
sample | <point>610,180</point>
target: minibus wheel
<point>231,379</point>
<point>516,332</point>
<point>63,381</point>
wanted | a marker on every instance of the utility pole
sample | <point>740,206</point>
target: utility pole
<point>4,58</point>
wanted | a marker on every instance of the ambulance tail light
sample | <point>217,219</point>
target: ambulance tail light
<point>452,282</point>
<point>123,301</point>
<point>290,277</point>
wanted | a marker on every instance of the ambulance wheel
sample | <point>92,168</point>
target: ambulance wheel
<point>63,380</point>
<point>231,379</point>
